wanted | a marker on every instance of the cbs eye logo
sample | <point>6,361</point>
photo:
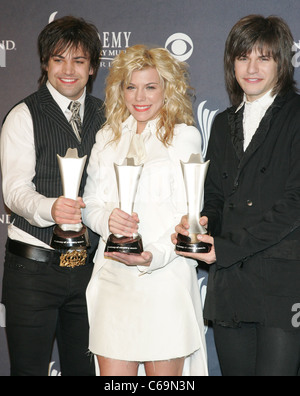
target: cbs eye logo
<point>180,45</point>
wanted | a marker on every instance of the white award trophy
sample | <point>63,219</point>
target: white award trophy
<point>194,174</point>
<point>128,175</point>
<point>71,237</point>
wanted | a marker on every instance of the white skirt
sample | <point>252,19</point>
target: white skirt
<point>147,317</point>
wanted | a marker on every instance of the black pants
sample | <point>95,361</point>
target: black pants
<point>254,350</point>
<point>44,301</point>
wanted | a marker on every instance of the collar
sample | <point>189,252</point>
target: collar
<point>63,102</point>
<point>131,125</point>
<point>264,102</point>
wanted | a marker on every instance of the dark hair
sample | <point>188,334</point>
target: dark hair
<point>69,32</point>
<point>271,37</point>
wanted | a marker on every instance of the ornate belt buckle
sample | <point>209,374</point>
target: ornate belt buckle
<point>73,258</point>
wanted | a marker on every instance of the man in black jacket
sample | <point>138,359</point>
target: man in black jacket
<point>252,205</point>
<point>42,298</point>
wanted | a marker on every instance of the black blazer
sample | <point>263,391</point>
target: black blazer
<point>252,200</point>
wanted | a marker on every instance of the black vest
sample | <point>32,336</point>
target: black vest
<point>53,135</point>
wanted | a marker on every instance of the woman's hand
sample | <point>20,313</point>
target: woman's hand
<point>143,259</point>
<point>122,223</point>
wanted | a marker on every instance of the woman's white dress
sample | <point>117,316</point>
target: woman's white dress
<point>145,313</point>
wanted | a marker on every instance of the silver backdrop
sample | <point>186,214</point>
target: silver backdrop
<point>193,30</point>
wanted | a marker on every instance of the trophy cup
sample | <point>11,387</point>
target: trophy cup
<point>128,175</point>
<point>71,239</point>
<point>194,174</point>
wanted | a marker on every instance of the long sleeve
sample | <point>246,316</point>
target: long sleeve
<point>188,141</point>
<point>214,196</point>
<point>275,225</point>
<point>161,199</point>
<point>256,200</point>
<point>98,210</point>
<point>18,170</point>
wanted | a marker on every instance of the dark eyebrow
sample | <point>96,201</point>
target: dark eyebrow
<point>266,56</point>
<point>62,57</point>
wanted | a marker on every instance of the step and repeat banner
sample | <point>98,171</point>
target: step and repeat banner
<point>192,30</point>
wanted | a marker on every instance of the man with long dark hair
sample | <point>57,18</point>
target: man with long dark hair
<point>44,300</point>
<point>252,205</point>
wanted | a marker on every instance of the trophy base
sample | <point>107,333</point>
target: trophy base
<point>127,245</point>
<point>66,240</point>
<point>191,244</point>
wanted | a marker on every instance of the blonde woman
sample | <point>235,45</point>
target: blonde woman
<point>144,308</point>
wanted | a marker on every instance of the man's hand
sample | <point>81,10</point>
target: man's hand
<point>208,258</point>
<point>67,211</point>
<point>182,228</point>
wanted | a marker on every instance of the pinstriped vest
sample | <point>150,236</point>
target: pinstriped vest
<point>53,135</point>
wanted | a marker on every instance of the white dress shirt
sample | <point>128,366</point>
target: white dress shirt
<point>18,160</point>
<point>253,114</point>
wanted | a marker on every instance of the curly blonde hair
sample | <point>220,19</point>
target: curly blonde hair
<point>178,106</point>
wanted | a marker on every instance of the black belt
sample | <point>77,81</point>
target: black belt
<point>31,252</point>
<point>69,259</point>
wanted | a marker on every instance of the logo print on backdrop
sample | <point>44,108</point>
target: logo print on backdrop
<point>205,119</point>
<point>2,316</point>
<point>296,57</point>
<point>180,45</point>
<point>5,45</point>
<point>53,371</point>
<point>203,289</point>
<point>52,16</point>
<point>4,218</point>
<point>2,55</point>
<point>113,43</point>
